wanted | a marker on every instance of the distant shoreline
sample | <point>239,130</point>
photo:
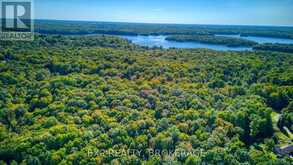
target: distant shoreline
<point>93,21</point>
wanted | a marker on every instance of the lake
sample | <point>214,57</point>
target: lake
<point>160,41</point>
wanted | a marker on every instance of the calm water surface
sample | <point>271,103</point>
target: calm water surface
<point>160,41</point>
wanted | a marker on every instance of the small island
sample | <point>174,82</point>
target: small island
<point>212,39</point>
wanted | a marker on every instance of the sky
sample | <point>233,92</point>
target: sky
<point>228,12</point>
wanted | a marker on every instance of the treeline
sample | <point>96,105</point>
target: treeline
<point>70,41</point>
<point>275,47</point>
<point>83,27</point>
<point>212,39</point>
<point>84,99</point>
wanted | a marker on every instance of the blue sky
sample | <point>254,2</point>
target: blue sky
<point>240,12</point>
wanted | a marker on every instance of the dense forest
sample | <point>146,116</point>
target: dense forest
<point>212,39</point>
<point>275,47</point>
<point>84,27</point>
<point>102,100</point>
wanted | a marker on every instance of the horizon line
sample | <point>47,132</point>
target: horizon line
<point>198,24</point>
